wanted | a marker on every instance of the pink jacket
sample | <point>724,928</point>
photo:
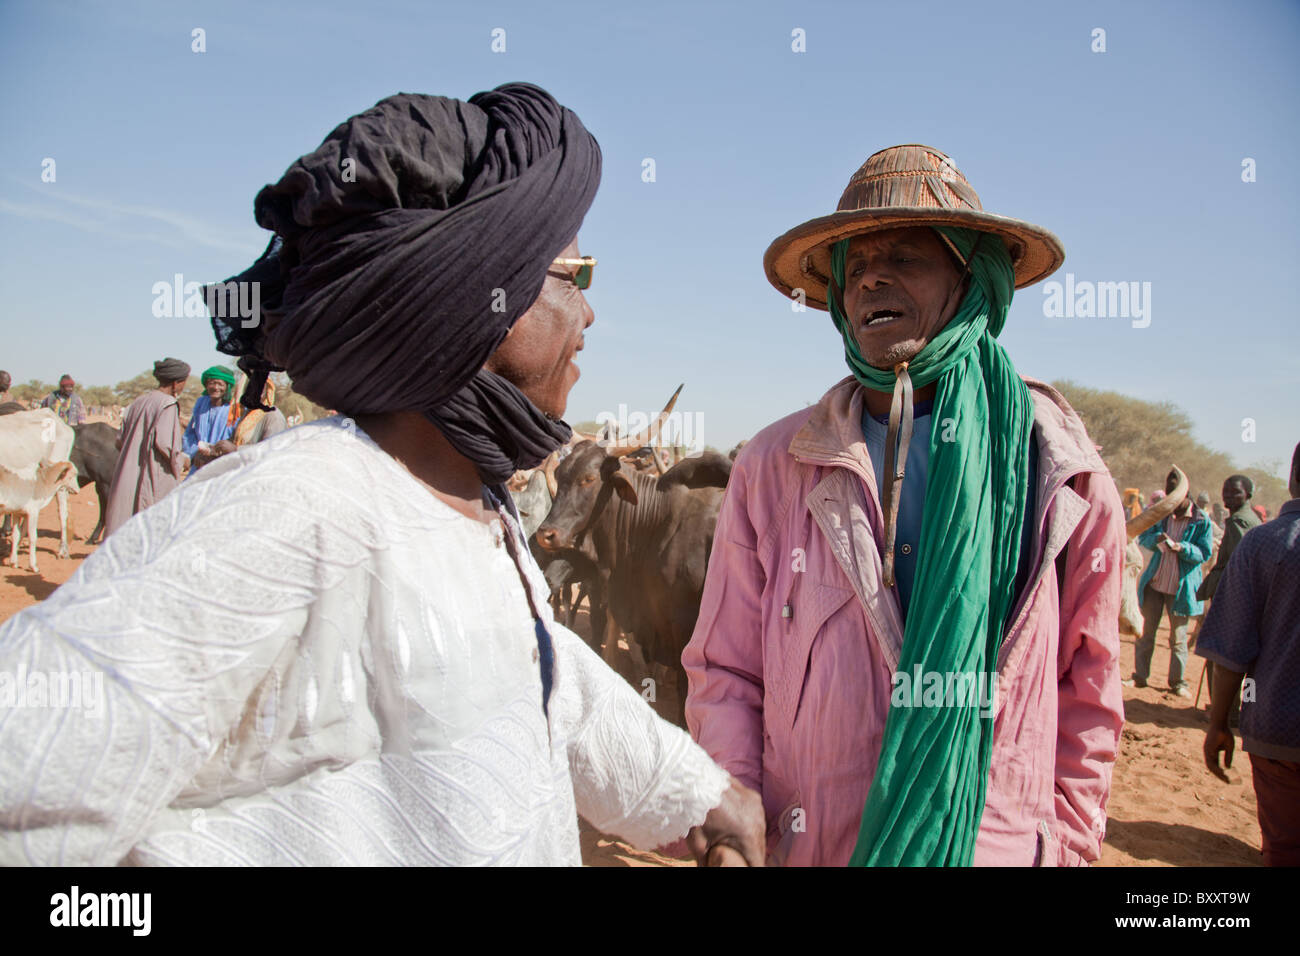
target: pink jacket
<point>795,706</point>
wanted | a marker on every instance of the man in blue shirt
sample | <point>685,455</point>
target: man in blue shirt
<point>1253,631</point>
<point>210,422</point>
<point>1182,542</point>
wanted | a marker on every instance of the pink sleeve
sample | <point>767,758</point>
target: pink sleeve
<point>724,659</point>
<point>1090,701</point>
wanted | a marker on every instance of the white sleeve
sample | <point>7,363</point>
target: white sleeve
<point>117,689</point>
<point>634,774</point>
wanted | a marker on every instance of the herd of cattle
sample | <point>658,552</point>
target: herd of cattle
<point>634,544</point>
<point>42,458</point>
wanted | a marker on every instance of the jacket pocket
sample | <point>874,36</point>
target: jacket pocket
<point>809,609</point>
<point>789,823</point>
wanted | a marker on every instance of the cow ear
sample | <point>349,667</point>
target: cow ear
<point>626,490</point>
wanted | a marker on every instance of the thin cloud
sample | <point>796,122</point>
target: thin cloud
<point>190,231</point>
<point>80,222</point>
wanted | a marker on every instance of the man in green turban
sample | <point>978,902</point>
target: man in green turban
<point>908,640</point>
<point>213,420</point>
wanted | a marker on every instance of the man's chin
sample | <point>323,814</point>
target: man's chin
<point>891,355</point>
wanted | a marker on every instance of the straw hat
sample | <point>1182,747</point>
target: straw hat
<point>899,187</point>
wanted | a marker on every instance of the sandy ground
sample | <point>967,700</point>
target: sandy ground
<point>1166,809</point>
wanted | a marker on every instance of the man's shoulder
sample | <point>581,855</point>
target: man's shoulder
<point>1061,431</point>
<point>1245,519</point>
<point>1283,529</point>
<point>328,465</point>
<point>774,439</point>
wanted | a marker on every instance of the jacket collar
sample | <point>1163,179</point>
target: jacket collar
<point>832,435</point>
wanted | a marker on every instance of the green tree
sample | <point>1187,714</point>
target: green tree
<point>1139,441</point>
<point>31,391</point>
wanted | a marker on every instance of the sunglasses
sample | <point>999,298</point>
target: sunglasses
<point>581,278</point>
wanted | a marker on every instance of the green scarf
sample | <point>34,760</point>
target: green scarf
<point>927,798</point>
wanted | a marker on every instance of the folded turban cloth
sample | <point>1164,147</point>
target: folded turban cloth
<point>221,373</point>
<point>170,370</point>
<point>405,248</point>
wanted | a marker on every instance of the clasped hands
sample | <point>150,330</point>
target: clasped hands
<point>734,833</point>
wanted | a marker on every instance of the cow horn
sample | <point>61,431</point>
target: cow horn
<point>1162,509</point>
<point>659,465</point>
<point>647,437</point>
<point>548,469</point>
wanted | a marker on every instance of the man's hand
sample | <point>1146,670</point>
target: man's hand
<point>734,833</point>
<point>1219,738</point>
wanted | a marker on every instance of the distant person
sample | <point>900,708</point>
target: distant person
<point>1216,530</point>
<point>1253,630</point>
<point>1236,493</point>
<point>7,406</point>
<point>1181,543</point>
<point>150,462</point>
<point>1132,500</point>
<point>255,425</point>
<point>1261,511</point>
<point>1237,490</point>
<point>212,423</point>
<point>66,402</point>
<point>1203,502</point>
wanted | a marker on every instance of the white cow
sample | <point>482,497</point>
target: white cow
<point>532,501</point>
<point>27,496</point>
<point>31,439</point>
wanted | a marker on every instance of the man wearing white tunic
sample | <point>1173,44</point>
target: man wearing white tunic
<point>378,679</point>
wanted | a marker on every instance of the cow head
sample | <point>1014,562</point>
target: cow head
<point>587,480</point>
<point>51,476</point>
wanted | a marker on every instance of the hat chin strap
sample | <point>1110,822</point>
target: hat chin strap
<point>898,439</point>
<point>900,436</point>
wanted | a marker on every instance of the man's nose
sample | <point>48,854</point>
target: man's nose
<point>874,275</point>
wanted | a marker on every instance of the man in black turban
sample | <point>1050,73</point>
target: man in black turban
<point>150,460</point>
<point>379,678</point>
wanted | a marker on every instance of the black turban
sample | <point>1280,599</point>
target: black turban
<point>405,248</point>
<point>170,370</point>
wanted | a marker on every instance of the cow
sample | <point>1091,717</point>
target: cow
<point>94,452</point>
<point>22,495</point>
<point>1130,606</point>
<point>33,438</point>
<point>563,570</point>
<point>532,498</point>
<point>649,536</point>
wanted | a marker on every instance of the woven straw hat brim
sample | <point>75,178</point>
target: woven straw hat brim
<point>1035,252</point>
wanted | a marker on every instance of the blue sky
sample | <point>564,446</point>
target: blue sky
<point>1132,156</point>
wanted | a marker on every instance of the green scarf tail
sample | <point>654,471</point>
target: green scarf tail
<point>927,798</point>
